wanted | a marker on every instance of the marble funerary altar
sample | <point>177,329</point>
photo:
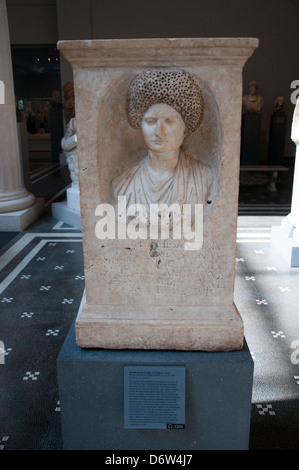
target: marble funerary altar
<point>179,99</point>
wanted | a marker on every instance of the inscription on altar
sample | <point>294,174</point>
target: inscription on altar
<point>160,270</point>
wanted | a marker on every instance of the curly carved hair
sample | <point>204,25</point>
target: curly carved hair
<point>177,88</point>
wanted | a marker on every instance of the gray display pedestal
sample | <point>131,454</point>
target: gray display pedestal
<point>250,138</point>
<point>91,388</point>
<point>277,138</point>
<point>61,211</point>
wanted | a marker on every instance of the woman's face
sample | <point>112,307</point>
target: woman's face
<point>163,128</point>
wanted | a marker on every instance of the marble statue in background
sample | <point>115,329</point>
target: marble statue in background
<point>252,101</point>
<point>167,106</point>
<point>278,104</point>
<point>69,146</point>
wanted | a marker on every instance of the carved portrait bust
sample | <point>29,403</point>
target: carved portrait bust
<point>279,104</point>
<point>168,106</point>
<point>252,101</point>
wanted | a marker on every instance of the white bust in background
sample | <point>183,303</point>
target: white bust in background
<point>69,146</point>
<point>295,124</point>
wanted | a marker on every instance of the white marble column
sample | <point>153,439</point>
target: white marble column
<point>286,237</point>
<point>13,196</point>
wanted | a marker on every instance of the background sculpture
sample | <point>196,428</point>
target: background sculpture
<point>252,104</point>
<point>69,146</point>
<point>277,136</point>
<point>279,104</point>
<point>252,101</point>
<point>69,101</point>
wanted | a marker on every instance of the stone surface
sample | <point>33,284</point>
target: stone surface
<point>207,328</point>
<point>73,198</point>
<point>15,221</point>
<point>156,294</point>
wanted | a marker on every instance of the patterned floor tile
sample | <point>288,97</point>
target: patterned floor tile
<point>41,285</point>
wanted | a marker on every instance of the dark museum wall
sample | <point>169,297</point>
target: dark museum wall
<point>274,64</point>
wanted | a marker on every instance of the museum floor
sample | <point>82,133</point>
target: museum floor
<point>41,284</point>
